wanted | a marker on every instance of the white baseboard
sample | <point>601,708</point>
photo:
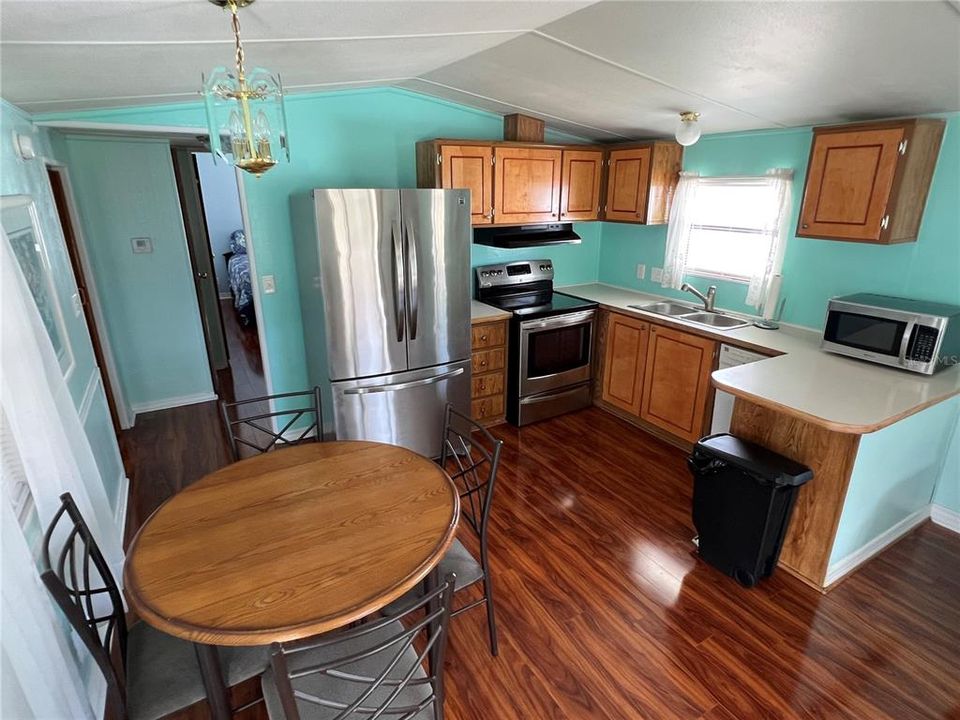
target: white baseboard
<point>851,562</point>
<point>173,402</point>
<point>945,517</point>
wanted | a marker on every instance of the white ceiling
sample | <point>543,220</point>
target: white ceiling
<point>606,70</point>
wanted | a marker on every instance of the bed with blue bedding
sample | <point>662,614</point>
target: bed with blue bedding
<point>238,274</point>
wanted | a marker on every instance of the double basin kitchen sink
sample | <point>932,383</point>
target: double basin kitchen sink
<point>715,320</point>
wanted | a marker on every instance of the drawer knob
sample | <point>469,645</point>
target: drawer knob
<point>483,338</point>
<point>483,386</point>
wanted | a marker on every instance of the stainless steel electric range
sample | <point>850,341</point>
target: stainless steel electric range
<point>549,370</point>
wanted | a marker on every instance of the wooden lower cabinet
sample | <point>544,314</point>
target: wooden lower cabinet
<point>624,359</point>
<point>488,360</point>
<point>658,375</point>
<point>676,382</point>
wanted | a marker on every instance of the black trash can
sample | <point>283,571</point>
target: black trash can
<point>743,495</point>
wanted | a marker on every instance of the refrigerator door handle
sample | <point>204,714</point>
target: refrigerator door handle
<point>403,385</point>
<point>414,285</point>
<point>399,290</point>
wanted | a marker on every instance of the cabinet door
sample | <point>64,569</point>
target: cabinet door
<point>470,167</point>
<point>676,387</point>
<point>849,181</point>
<point>527,185</point>
<point>624,358</point>
<point>580,185</point>
<point>628,182</point>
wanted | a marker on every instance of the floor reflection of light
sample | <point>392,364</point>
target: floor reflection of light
<point>653,568</point>
<point>568,501</point>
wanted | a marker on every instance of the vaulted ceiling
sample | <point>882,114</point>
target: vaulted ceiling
<point>607,70</point>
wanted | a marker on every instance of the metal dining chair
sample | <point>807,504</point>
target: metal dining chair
<point>471,457</point>
<point>374,670</point>
<point>158,674</point>
<point>253,423</point>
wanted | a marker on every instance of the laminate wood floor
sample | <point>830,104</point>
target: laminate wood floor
<point>605,611</point>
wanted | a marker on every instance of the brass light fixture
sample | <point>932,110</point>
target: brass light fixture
<point>245,112</point>
<point>688,129</point>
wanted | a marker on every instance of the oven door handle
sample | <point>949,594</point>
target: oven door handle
<point>558,321</point>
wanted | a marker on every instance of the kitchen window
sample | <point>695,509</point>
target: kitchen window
<point>731,228</point>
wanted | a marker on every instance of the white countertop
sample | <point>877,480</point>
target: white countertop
<point>836,392</point>
<point>481,312</point>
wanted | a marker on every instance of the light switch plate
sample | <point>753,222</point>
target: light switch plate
<point>641,271</point>
<point>656,274</point>
<point>141,245</point>
<point>267,284</point>
<point>77,304</point>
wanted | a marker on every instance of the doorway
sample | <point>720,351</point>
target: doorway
<point>66,214</point>
<point>210,203</point>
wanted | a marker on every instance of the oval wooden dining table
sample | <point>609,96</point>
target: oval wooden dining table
<point>289,544</point>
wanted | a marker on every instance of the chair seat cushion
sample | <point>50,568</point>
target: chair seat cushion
<point>163,674</point>
<point>347,691</point>
<point>457,560</point>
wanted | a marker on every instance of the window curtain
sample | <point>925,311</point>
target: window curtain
<point>42,421</point>
<point>781,188</point>
<point>678,231</point>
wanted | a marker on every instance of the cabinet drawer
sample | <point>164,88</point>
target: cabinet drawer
<point>486,408</point>
<point>491,335</point>
<point>489,384</point>
<point>487,360</point>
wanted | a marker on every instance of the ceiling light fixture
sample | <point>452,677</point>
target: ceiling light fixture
<point>688,129</point>
<point>245,112</point>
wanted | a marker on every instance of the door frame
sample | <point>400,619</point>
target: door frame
<point>198,236</point>
<point>98,334</point>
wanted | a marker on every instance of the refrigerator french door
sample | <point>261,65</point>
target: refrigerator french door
<point>395,278</point>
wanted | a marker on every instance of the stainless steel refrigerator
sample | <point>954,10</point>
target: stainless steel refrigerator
<point>389,272</point>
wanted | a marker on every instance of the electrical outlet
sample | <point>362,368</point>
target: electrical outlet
<point>268,285</point>
<point>656,274</point>
<point>641,271</point>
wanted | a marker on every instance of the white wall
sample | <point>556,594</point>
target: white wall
<point>221,206</point>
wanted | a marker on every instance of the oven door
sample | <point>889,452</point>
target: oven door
<point>555,352</point>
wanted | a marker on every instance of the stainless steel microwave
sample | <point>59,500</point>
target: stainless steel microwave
<point>914,335</point>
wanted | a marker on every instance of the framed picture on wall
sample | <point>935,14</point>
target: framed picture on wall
<point>22,227</point>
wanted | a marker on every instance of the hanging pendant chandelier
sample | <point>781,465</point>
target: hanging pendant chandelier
<point>245,113</point>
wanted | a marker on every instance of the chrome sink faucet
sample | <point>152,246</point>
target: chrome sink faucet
<point>707,299</point>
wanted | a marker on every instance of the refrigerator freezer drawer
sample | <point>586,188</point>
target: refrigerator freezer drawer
<point>403,408</point>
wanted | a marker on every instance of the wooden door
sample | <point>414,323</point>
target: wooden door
<point>470,167</point>
<point>527,185</point>
<point>628,183</point>
<point>676,384</point>
<point>623,361</point>
<point>580,185</point>
<point>849,182</point>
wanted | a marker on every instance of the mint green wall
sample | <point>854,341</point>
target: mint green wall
<point>894,476</point>
<point>947,492</point>
<point>814,270</point>
<point>126,189</point>
<point>359,138</point>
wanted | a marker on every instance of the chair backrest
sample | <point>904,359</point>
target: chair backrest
<point>349,659</point>
<point>90,600</point>
<point>471,456</point>
<point>253,424</point>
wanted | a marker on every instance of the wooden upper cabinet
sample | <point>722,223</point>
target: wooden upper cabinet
<point>625,354</point>
<point>641,180</point>
<point>468,167</point>
<point>676,386</point>
<point>526,184</point>
<point>869,182</point>
<point>580,185</point>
